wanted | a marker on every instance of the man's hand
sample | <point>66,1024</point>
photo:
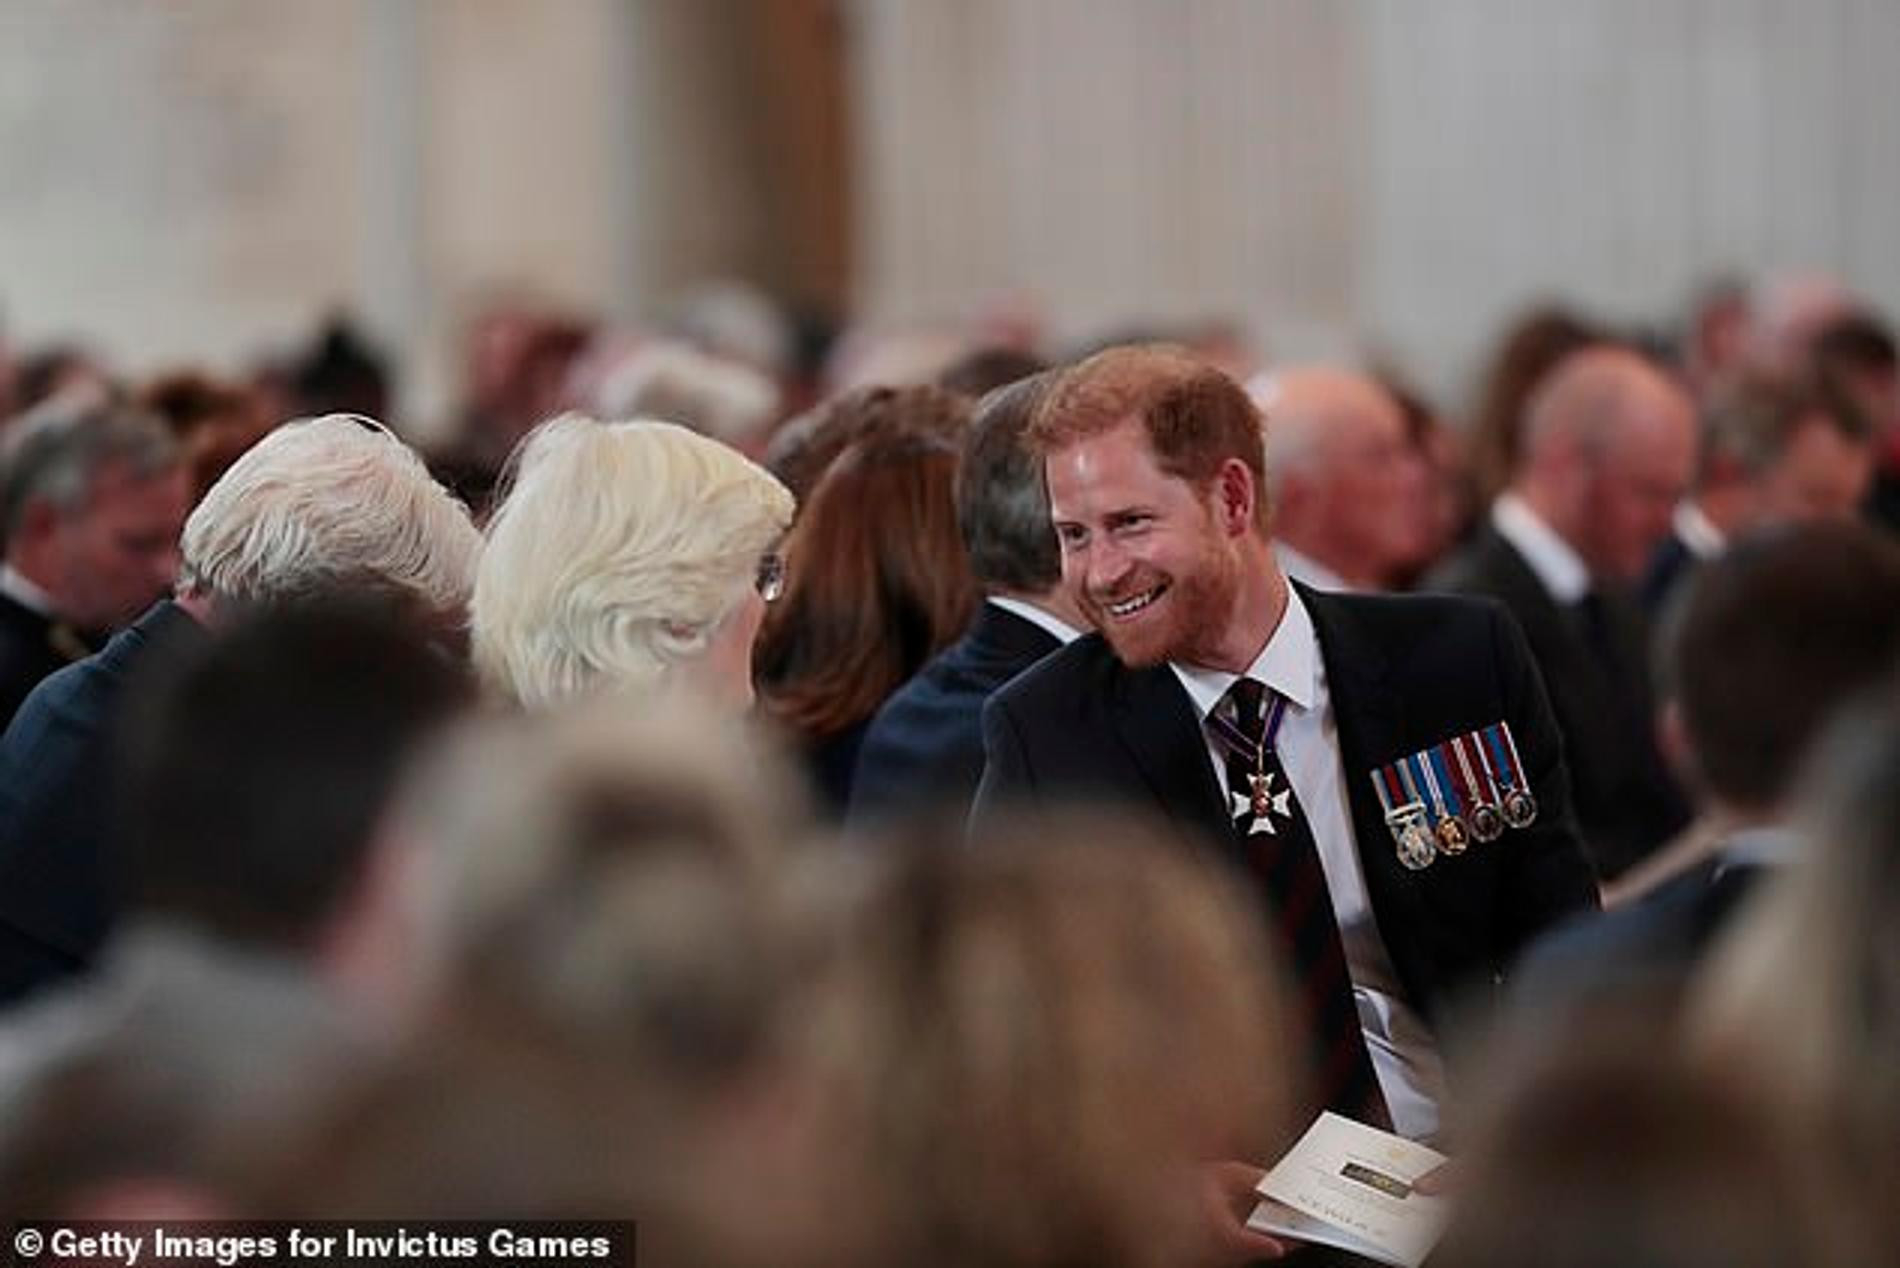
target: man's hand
<point>1439,1181</point>
<point>1227,1198</point>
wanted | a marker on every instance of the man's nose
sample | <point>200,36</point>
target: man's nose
<point>1107,564</point>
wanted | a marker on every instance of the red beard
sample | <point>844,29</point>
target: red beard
<point>1190,614</point>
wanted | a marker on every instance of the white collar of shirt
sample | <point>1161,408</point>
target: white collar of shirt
<point>15,586</point>
<point>1698,531</point>
<point>1042,618</point>
<point>1301,566</point>
<point>1289,664</point>
<point>1559,567</point>
<point>1768,845</point>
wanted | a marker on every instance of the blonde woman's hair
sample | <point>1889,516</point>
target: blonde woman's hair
<point>616,553</point>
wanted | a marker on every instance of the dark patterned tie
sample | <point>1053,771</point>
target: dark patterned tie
<point>1278,848</point>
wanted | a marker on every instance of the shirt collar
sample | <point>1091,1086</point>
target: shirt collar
<point>1765,846</point>
<point>1698,531</point>
<point>1560,568</point>
<point>1301,566</point>
<point>1289,664</point>
<point>1041,618</point>
<point>14,585</point>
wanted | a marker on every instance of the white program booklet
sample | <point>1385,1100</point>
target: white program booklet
<point>1349,1185</point>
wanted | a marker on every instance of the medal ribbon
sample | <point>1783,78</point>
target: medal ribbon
<point>1412,797</point>
<point>1504,771</point>
<point>1474,792</point>
<point>1386,781</point>
<point>1517,763</point>
<point>1444,787</point>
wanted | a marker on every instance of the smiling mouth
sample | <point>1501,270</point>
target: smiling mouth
<point>1135,603</point>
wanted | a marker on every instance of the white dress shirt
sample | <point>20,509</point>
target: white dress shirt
<point>1559,567</point>
<point>15,586</point>
<point>1698,531</point>
<point>1041,618</point>
<point>1302,567</point>
<point>1405,1058</point>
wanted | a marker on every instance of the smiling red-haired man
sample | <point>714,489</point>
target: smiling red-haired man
<point>1385,770</point>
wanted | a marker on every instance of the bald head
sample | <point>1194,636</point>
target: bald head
<point>1609,449</point>
<point>1313,412</point>
<point>1347,484</point>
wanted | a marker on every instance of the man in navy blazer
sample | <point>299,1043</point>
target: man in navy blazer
<point>924,749</point>
<point>1154,464</point>
<point>1814,610</point>
<point>333,504</point>
<point>59,900</point>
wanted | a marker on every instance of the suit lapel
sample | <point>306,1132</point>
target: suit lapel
<point>1369,715</point>
<point>1582,696</point>
<point>1157,723</point>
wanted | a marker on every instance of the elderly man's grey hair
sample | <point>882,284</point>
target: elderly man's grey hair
<point>54,451</point>
<point>716,397</point>
<point>336,502</point>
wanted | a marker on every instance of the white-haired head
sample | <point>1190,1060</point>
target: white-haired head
<point>617,555</point>
<point>336,502</point>
<point>718,397</point>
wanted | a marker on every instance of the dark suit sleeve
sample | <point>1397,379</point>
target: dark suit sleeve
<point>1007,780</point>
<point>1549,878</point>
<point>1596,957</point>
<point>27,964</point>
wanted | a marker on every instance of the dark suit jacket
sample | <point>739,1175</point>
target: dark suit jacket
<point>830,764</point>
<point>57,895</point>
<point>1652,944</point>
<point>925,747</point>
<point>32,646</point>
<point>1627,804</point>
<point>1403,673</point>
<point>1670,568</point>
<point>1883,498</point>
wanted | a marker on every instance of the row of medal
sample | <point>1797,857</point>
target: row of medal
<point>1470,787</point>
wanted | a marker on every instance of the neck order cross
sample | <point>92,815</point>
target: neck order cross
<point>1249,738</point>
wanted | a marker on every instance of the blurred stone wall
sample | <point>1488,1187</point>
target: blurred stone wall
<point>1387,174</point>
<point>200,179</point>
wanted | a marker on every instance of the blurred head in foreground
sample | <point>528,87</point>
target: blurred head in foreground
<point>1600,1146</point>
<point>1803,998</point>
<point>601,888</point>
<point>1042,1034</point>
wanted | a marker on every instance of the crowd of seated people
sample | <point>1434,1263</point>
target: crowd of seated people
<point>747,778</point>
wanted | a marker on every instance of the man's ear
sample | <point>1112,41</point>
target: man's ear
<point>1672,739</point>
<point>38,518</point>
<point>1235,493</point>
